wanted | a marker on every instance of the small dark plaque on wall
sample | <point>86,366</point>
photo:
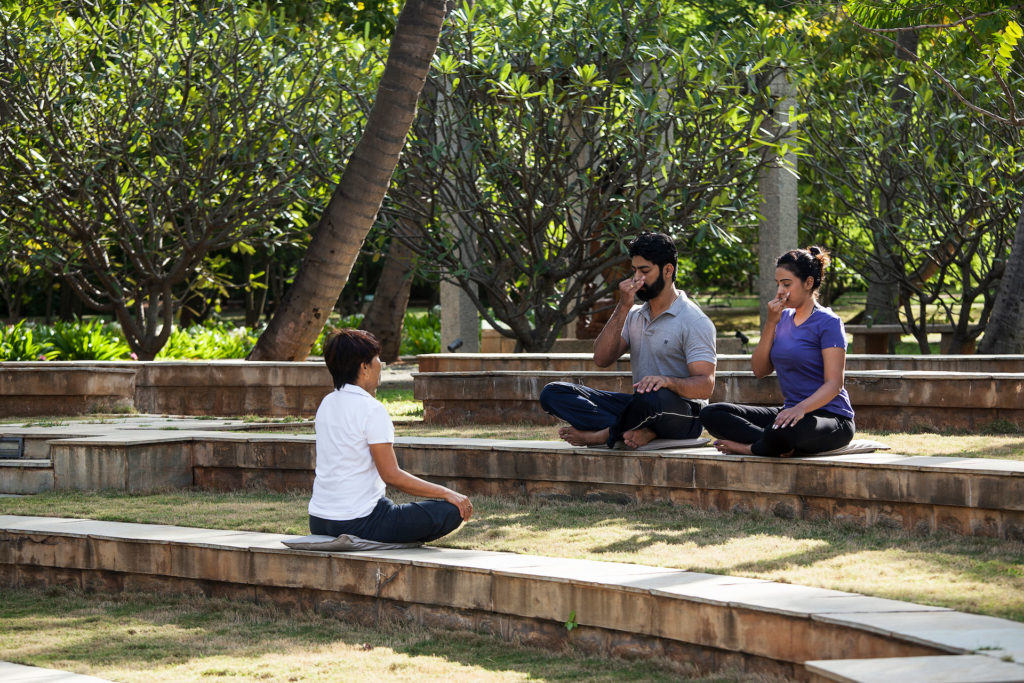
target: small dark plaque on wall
<point>11,447</point>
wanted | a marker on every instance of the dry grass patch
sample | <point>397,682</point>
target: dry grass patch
<point>989,444</point>
<point>150,639</point>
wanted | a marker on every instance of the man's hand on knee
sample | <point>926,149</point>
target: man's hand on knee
<point>651,383</point>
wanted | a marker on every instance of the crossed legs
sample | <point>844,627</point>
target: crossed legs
<point>748,429</point>
<point>604,417</point>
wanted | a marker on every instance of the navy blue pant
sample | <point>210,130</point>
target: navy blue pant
<point>666,413</point>
<point>418,522</point>
<point>817,432</point>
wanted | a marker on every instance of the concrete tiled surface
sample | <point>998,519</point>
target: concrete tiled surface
<point>18,673</point>
<point>952,631</point>
<point>938,669</point>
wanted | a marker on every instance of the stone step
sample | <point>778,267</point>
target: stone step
<point>885,400</point>
<point>935,669</point>
<point>26,476</point>
<point>576,362</point>
<point>971,496</point>
<point>710,621</point>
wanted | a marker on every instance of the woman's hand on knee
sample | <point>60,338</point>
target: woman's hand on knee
<point>462,502</point>
<point>788,418</point>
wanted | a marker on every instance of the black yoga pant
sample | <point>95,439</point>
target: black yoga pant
<point>418,522</point>
<point>817,432</point>
<point>666,413</point>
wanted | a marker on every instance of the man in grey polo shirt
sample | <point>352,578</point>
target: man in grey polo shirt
<point>671,346</point>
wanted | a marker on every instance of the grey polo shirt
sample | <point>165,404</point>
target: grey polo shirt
<point>663,346</point>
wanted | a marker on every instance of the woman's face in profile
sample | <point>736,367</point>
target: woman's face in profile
<point>790,289</point>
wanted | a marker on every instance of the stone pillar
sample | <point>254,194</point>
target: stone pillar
<point>459,319</point>
<point>778,186</point>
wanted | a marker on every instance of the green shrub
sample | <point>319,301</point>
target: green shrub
<point>334,323</point>
<point>18,342</point>
<point>88,340</point>
<point>209,342</point>
<point>421,333</point>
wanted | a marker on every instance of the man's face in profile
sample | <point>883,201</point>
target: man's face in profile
<point>653,278</point>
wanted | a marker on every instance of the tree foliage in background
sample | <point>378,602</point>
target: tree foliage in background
<point>913,193</point>
<point>138,139</point>
<point>352,210</point>
<point>560,130</point>
<point>982,45</point>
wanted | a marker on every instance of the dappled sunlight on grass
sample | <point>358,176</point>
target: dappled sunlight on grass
<point>150,638</point>
<point>1008,445</point>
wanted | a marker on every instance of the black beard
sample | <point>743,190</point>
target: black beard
<point>648,292</point>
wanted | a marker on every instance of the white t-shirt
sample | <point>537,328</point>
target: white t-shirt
<point>347,484</point>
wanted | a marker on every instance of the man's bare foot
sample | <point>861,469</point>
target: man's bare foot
<point>635,438</point>
<point>578,437</point>
<point>732,447</point>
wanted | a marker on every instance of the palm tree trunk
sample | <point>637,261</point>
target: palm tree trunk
<point>386,314</point>
<point>353,207</point>
<point>1005,330</point>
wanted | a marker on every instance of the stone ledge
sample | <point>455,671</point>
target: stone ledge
<point>935,669</point>
<point>576,362</point>
<point>38,389</point>
<point>883,399</point>
<point>221,387</point>
<point>778,623</point>
<point>971,496</point>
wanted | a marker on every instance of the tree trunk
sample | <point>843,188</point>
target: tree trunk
<point>1005,330</point>
<point>883,291</point>
<point>387,310</point>
<point>353,207</point>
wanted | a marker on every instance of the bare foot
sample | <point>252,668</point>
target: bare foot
<point>578,437</point>
<point>732,447</point>
<point>635,438</point>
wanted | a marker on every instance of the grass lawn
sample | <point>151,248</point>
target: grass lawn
<point>152,638</point>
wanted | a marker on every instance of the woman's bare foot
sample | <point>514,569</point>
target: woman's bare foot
<point>732,447</point>
<point>635,438</point>
<point>578,437</point>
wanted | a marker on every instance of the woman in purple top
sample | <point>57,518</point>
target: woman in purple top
<point>805,344</point>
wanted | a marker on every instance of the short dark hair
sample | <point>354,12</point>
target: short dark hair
<point>345,351</point>
<point>656,247</point>
<point>804,263</point>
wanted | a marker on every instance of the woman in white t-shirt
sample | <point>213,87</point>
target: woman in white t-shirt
<point>355,458</point>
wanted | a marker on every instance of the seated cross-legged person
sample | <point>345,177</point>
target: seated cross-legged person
<point>355,458</point>
<point>805,344</point>
<point>672,354</point>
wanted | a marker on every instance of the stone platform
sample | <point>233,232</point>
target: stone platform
<point>268,389</point>
<point>885,400</point>
<point>971,496</point>
<point>583,362</point>
<point>708,621</point>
